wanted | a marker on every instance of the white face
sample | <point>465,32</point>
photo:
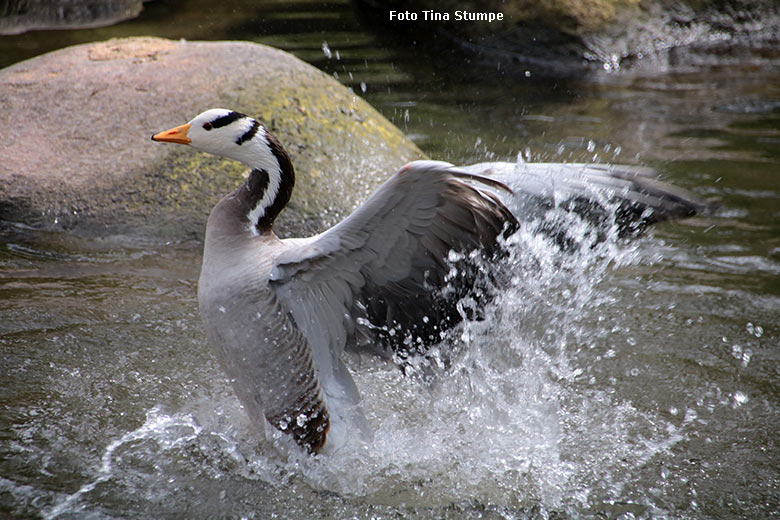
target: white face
<point>228,134</point>
<point>218,131</point>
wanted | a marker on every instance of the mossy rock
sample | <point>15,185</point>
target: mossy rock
<point>77,151</point>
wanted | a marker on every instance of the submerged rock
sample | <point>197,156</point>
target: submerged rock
<point>17,16</point>
<point>77,123</point>
<point>569,37</point>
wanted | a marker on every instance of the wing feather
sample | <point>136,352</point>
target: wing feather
<point>386,261</point>
<point>377,277</point>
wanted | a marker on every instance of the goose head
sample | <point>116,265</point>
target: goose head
<point>234,135</point>
<point>225,133</point>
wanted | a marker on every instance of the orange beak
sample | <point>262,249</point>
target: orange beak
<point>174,135</point>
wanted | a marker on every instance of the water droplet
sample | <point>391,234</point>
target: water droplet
<point>302,419</point>
<point>363,87</point>
<point>326,50</point>
<point>754,330</point>
<point>747,354</point>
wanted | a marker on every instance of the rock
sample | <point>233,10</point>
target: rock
<point>77,123</point>
<point>545,37</point>
<point>563,38</point>
<point>18,16</point>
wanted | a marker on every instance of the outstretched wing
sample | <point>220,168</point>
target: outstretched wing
<point>629,197</point>
<point>385,270</point>
<point>385,274</point>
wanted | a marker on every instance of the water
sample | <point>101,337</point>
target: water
<point>633,380</point>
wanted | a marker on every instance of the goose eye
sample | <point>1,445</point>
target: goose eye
<point>207,126</point>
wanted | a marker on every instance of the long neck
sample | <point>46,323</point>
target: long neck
<point>270,183</point>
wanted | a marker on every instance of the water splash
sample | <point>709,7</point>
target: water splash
<point>516,420</point>
<point>168,432</point>
<point>519,419</point>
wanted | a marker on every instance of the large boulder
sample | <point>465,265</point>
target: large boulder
<point>76,148</point>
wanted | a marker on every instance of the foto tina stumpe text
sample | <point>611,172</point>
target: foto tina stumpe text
<point>438,16</point>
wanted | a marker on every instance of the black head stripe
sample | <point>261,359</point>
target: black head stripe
<point>249,134</point>
<point>226,119</point>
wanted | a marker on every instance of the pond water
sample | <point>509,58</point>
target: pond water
<point>632,380</point>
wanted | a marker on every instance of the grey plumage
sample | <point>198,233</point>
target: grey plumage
<point>280,313</point>
<point>384,262</point>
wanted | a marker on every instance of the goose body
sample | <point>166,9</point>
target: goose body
<point>280,312</point>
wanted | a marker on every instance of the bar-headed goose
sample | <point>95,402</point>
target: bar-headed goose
<point>279,313</point>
